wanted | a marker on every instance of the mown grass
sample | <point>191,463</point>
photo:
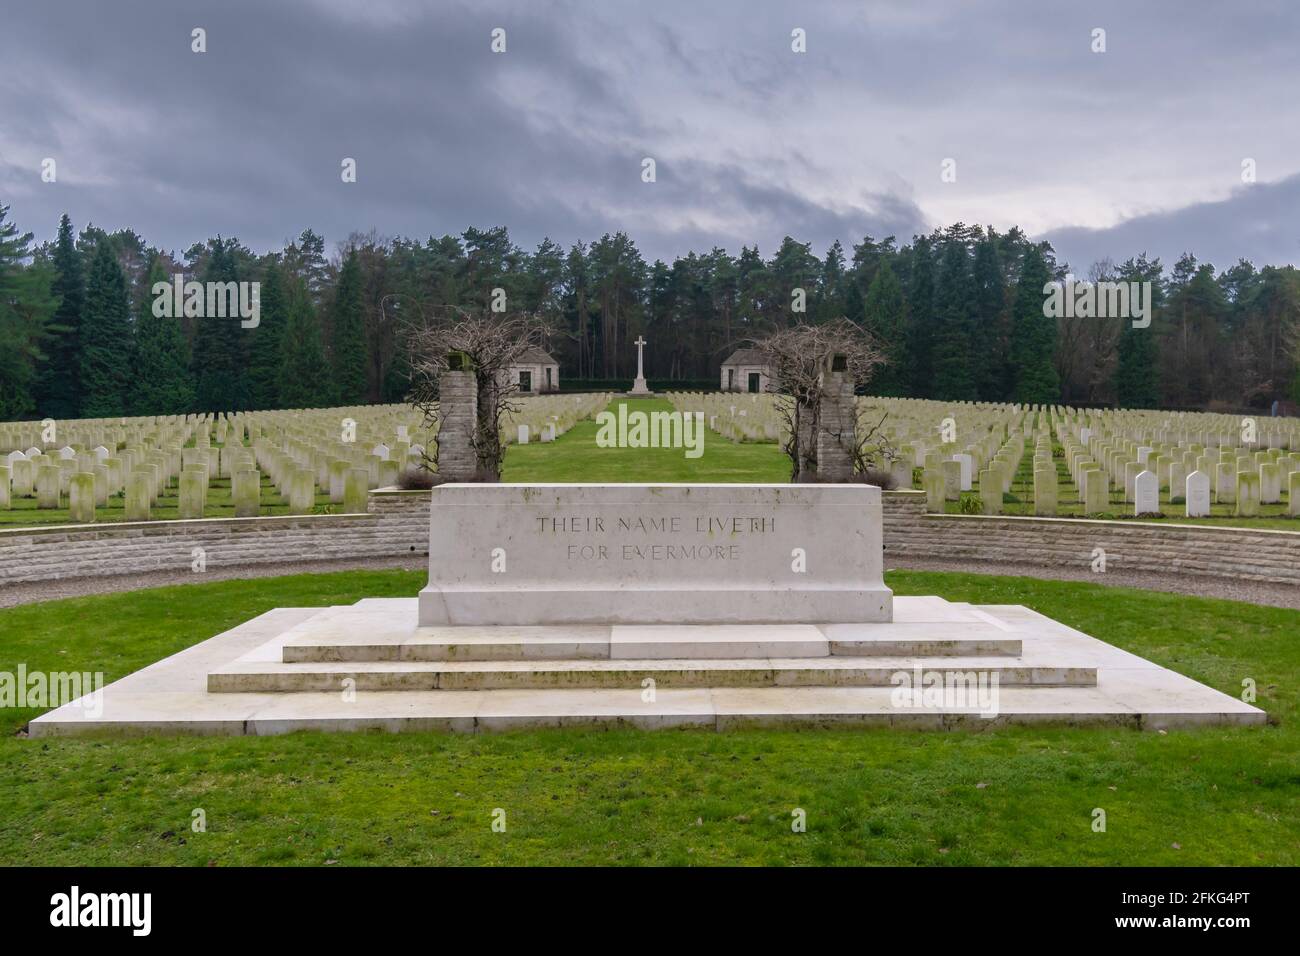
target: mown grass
<point>575,456</point>
<point>1226,796</point>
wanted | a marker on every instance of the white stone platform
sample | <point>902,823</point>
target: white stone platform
<point>369,666</point>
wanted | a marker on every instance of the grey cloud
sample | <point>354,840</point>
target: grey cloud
<point>246,139</point>
<point>1257,223</point>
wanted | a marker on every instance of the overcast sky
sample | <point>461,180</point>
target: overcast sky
<point>1106,154</point>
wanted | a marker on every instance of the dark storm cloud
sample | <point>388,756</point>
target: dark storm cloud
<point>751,141</point>
<point>1260,223</point>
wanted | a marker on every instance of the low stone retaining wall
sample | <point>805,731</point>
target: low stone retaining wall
<point>393,527</point>
<point>397,523</point>
<point>1195,550</point>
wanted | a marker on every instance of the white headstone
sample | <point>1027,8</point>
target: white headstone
<point>522,436</point>
<point>967,467</point>
<point>1198,495</point>
<point>1146,493</point>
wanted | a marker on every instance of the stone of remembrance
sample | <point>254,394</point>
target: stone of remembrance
<point>712,606</point>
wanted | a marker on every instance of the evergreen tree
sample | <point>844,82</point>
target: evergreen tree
<point>107,349</point>
<point>884,312</point>
<point>992,375</point>
<point>1137,384</point>
<point>60,380</point>
<point>26,308</point>
<point>305,377</point>
<point>220,361</point>
<point>954,371</point>
<point>919,335</point>
<point>831,298</point>
<point>163,383</point>
<point>1033,335</point>
<point>265,357</point>
<point>348,346</point>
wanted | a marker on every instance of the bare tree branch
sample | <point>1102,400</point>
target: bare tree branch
<point>492,344</point>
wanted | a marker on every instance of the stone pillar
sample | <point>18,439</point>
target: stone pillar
<point>836,425</point>
<point>457,420</point>
<point>807,441</point>
<point>837,422</point>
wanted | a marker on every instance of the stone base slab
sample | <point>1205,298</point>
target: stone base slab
<point>1092,683</point>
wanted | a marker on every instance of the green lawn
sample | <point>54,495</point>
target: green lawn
<point>575,456</point>
<point>1011,795</point>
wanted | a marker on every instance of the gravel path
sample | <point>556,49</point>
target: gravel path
<point>1253,592</point>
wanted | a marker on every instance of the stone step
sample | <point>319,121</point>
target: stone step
<point>331,639</point>
<point>253,676</point>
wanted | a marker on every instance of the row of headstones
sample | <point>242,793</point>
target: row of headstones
<point>546,417</point>
<point>1123,460</point>
<point>737,417</point>
<point>1205,429</point>
<point>87,480</point>
<point>946,476</point>
<point>368,425</point>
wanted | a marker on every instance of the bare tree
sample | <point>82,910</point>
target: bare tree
<point>798,358</point>
<point>489,345</point>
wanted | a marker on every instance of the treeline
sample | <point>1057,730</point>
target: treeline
<point>958,313</point>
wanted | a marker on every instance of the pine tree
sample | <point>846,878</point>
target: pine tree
<point>954,372</point>
<point>348,347</point>
<point>1137,383</point>
<point>884,311</point>
<point>26,308</point>
<point>992,377</point>
<point>1033,335</point>
<point>220,344</point>
<point>163,384</point>
<point>920,320</point>
<point>106,341</point>
<point>265,358</point>
<point>305,376</point>
<point>60,381</point>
